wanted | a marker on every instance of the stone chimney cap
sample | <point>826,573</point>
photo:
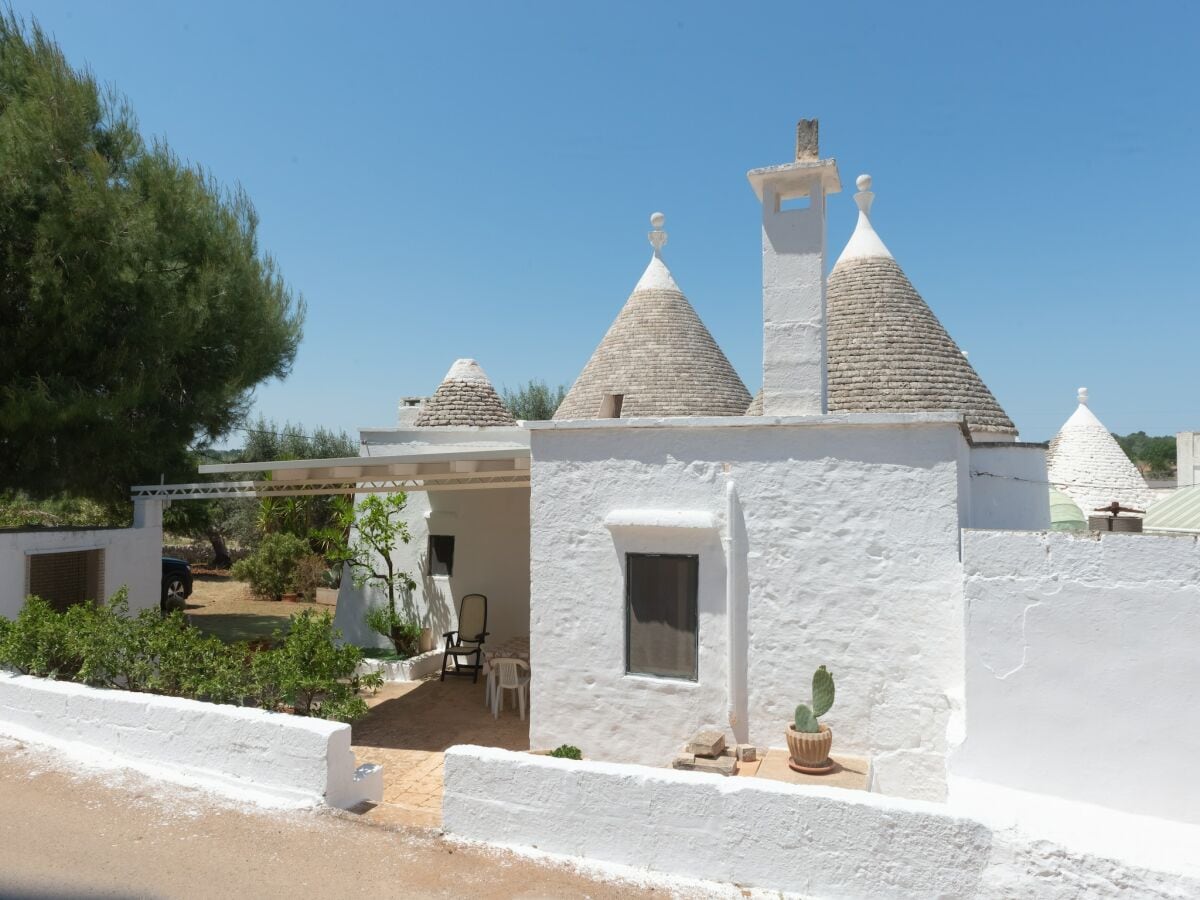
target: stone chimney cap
<point>807,143</point>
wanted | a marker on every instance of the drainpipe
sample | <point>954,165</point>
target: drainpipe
<point>736,613</point>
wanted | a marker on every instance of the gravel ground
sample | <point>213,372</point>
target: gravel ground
<point>224,607</point>
<point>66,832</point>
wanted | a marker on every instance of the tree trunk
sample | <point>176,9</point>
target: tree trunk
<point>221,558</point>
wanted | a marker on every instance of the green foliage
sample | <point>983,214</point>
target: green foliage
<point>38,642</point>
<point>246,521</point>
<point>566,751</point>
<point>822,701</point>
<point>271,571</point>
<point>377,528</point>
<point>404,633</point>
<point>534,400</point>
<point>1155,456</point>
<point>308,670</point>
<point>137,309</point>
<point>18,509</point>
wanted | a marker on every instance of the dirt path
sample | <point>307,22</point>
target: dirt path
<point>120,835</point>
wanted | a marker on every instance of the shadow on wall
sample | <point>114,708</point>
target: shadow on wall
<point>437,604</point>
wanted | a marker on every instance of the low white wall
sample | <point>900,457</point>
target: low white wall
<point>403,669</point>
<point>132,557</point>
<point>1082,668</point>
<point>270,758</point>
<point>1009,487</point>
<point>812,841</point>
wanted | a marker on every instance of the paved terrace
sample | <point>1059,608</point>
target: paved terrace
<point>409,728</point>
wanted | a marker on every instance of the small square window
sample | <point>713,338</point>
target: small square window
<point>661,615</point>
<point>441,554</point>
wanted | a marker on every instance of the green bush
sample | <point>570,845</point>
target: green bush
<point>308,671</point>
<point>37,642</point>
<point>566,751</point>
<point>404,634</point>
<point>272,569</point>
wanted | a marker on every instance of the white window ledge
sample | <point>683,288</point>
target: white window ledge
<point>660,518</point>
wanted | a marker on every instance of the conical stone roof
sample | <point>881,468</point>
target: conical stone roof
<point>465,397</point>
<point>885,349</point>
<point>1087,464</point>
<point>658,356</point>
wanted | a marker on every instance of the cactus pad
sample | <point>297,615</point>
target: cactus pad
<point>806,721</point>
<point>822,691</point>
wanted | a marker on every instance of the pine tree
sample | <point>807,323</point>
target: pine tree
<point>137,312</point>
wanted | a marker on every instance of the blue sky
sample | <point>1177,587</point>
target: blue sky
<point>446,180</point>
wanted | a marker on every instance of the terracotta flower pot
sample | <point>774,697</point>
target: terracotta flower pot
<point>810,750</point>
<point>290,598</point>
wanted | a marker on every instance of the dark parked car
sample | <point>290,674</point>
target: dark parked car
<point>176,583</point>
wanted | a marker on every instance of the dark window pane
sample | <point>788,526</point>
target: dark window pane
<point>441,554</point>
<point>661,615</point>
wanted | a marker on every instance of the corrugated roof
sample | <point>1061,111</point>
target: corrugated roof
<point>464,398</point>
<point>1178,513</point>
<point>658,357</point>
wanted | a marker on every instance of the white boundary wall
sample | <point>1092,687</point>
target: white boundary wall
<point>813,841</point>
<point>247,754</point>
<point>1082,669</point>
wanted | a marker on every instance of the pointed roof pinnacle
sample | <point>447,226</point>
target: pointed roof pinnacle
<point>657,276</point>
<point>864,243</point>
<point>1083,396</point>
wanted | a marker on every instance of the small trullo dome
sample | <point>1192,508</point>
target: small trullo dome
<point>465,397</point>
<point>1087,464</point>
<point>657,358</point>
<point>886,351</point>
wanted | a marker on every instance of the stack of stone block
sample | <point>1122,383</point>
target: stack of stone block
<point>706,752</point>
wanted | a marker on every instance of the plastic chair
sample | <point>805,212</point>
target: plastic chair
<point>509,677</point>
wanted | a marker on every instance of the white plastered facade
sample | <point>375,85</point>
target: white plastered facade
<point>821,540</point>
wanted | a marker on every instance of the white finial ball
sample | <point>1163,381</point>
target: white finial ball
<point>657,220</point>
<point>863,182</point>
<point>1083,395</point>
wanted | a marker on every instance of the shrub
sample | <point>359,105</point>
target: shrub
<point>310,575</point>
<point>405,634</point>
<point>271,570</point>
<point>309,669</point>
<point>566,751</point>
<point>37,642</point>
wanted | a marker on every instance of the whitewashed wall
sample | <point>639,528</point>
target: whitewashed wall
<point>132,557</point>
<point>846,535</point>
<point>1009,487</point>
<point>269,758</point>
<point>1082,669</point>
<point>803,840</point>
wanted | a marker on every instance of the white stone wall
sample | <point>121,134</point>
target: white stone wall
<point>1082,668</point>
<point>1009,489</point>
<point>132,557</point>
<point>846,532</point>
<point>811,841</point>
<point>270,758</point>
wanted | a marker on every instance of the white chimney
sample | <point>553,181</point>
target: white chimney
<point>793,231</point>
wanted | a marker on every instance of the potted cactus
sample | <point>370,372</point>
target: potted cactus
<point>809,740</point>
